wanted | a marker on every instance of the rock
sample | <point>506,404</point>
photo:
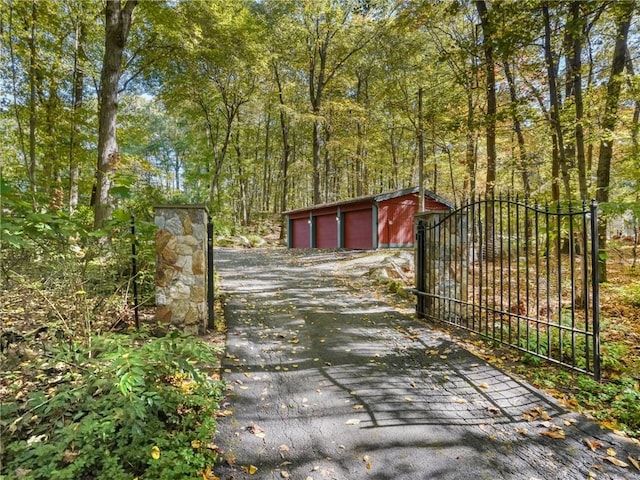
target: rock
<point>244,241</point>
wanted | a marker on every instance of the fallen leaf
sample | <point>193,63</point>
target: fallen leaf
<point>252,469</point>
<point>555,434</point>
<point>283,448</point>
<point>592,444</point>
<point>459,400</point>
<point>358,407</point>
<point>69,456</point>
<point>616,462</point>
<point>409,399</point>
<point>494,410</point>
<point>484,385</point>
<point>155,452</point>
<point>207,474</point>
<point>256,430</point>
<point>284,474</point>
<point>635,462</point>
<point>365,458</point>
<point>611,452</point>
<point>522,431</point>
<point>352,421</point>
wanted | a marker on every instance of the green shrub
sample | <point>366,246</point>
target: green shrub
<point>619,399</point>
<point>128,407</point>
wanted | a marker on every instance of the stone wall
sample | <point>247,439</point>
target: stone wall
<point>181,266</point>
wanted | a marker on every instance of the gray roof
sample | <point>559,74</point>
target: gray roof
<point>374,199</point>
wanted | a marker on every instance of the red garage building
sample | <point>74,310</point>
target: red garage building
<point>375,221</point>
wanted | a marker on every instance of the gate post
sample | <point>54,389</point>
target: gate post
<point>181,266</point>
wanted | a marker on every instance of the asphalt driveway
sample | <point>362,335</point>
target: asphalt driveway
<point>326,382</point>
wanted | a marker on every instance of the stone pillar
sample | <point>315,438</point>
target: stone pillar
<point>181,271</point>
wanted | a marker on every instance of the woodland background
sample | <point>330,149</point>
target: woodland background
<point>256,107</point>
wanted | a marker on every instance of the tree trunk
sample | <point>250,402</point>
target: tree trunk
<point>609,122</point>
<point>577,27</point>
<point>554,101</point>
<point>317,79</point>
<point>117,26</point>
<point>517,127</point>
<point>635,121</point>
<point>266,162</point>
<point>79,59</point>
<point>420,154</point>
<point>33,78</point>
<point>487,46</point>
<point>286,150</point>
<point>470,151</point>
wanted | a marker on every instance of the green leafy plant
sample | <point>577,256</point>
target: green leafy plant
<point>132,406</point>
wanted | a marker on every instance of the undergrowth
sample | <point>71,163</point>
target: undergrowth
<point>130,406</point>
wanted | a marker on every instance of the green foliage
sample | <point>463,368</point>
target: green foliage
<point>631,293</point>
<point>619,398</point>
<point>108,411</point>
<point>613,356</point>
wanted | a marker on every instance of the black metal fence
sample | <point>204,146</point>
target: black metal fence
<point>519,274</point>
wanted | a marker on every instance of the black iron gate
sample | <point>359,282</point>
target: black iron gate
<point>519,274</point>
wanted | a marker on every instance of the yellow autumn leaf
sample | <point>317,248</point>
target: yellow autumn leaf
<point>252,469</point>
<point>155,452</point>
<point>635,462</point>
<point>611,452</point>
<point>616,462</point>
<point>207,474</point>
<point>555,434</point>
<point>195,444</point>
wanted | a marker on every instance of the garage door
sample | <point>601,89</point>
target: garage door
<point>300,233</point>
<point>358,230</point>
<point>326,231</point>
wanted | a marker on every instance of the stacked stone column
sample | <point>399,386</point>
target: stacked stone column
<point>181,272</point>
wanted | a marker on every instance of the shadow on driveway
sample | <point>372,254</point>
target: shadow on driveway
<point>326,382</point>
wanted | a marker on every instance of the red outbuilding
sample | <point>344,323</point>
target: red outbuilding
<point>365,223</point>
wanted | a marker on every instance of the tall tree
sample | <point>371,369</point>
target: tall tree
<point>330,45</point>
<point>118,17</point>
<point>79,60</point>
<point>576,27</point>
<point>559,153</point>
<point>624,13</point>
<point>490,69</point>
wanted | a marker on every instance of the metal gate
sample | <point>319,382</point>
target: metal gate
<point>519,274</point>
